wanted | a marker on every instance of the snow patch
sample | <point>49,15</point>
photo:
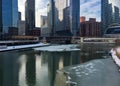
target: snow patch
<point>22,46</point>
<point>114,56</point>
<point>58,48</point>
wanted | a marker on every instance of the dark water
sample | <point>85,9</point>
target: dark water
<point>33,68</point>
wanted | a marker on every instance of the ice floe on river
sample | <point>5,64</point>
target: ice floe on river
<point>102,72</point>
<point>58,48</point>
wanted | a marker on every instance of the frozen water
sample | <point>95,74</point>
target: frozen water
<point>58,48</point>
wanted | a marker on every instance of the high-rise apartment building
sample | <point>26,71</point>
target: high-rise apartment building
<point>8,15</point>
<point>89,28</point>
<point>110,13</point>
<point>29,15</point>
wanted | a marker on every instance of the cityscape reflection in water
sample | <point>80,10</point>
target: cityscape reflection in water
<point>33,68</point>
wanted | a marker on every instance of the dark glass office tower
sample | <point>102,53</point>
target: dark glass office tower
<point>75,17</point>
<point>110,13</point>
<point>0,18</point>
<point>29,16</point>
<point>14,13</point>
<point>9,14</point>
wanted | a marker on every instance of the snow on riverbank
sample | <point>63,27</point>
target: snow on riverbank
<point>114,55</point>
<point>58,48</point>
<point>9,48</point>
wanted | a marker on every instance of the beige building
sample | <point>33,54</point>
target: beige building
<point>21,27</point>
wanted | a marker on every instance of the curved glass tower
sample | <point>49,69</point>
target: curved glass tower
<point>110,13</point>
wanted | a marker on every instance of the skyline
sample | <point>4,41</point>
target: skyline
<point>86,7</point>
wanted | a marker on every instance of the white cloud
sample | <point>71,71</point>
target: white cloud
<point>90,9</point>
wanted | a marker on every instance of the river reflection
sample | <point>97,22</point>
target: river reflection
<point>31,68</point>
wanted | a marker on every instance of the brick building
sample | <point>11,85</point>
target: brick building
<point>89,28</point>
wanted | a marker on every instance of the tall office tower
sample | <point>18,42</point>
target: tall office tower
<point>8,14</point>
<point>110,13</point>
<point>29,15</point>
<point>75,17</point>
<point>67,14</point>
<point>51,16</point>
<point>0,18</point>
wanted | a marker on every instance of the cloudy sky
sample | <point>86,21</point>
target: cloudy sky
<point>88,8</point>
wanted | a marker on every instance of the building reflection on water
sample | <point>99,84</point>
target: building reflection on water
<point>31,68</point>
<point>8,70</point>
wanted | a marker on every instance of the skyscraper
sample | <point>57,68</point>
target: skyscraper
<point>8,14</point>
<point>67,14</point>
<point>51,16</point>
<point>29,15</point>
<point>110,13</point>
<point>0,18</point>
<point>75,17</point>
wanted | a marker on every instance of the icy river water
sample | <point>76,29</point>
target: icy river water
<point>90,66</point>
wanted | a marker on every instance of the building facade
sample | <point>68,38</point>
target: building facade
<point>19,15</point>
<point>29,15</point>
<point>0,18</point>
<point>75,17</point>
<point>89,28</point>
<point>51,17</point>
<point>110,13</point>
<point>45,31</point>
<point>50,24</point>
<point>8,15</point>
<point>43,20</point>
<point>21,28</point>
<point>60,6</point>
<point>66,17</point>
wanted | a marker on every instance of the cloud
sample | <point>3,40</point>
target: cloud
<point>90,9</point>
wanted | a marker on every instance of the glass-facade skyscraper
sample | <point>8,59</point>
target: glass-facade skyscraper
<point>0,17</point>
<point>110,13</point>
<point>67,15</point>
<point>75,17</point>
<point>29,16</point>
<point>9,14</point>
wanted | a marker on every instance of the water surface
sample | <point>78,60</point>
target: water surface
<point>33,68</point>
